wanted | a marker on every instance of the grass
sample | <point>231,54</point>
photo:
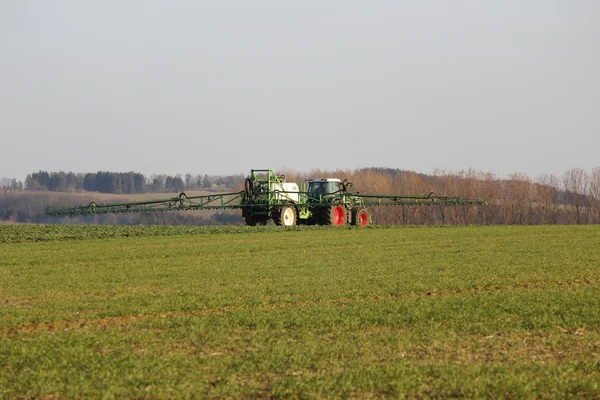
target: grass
<point>491,312</point>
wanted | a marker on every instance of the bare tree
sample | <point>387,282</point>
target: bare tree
<point>5,184</point>
<point>594,194</point>
<point>576,185</point>
<point>546,198</point>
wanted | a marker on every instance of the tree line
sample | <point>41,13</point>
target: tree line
<point>572,198</point>
<point>119,182</point>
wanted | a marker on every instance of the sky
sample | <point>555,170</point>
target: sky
<point>222,87</point>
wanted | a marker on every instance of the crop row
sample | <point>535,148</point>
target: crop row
<point>45,233</point>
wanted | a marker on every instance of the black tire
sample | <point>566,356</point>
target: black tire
<point>325,216</point>
<point>286,216</point>
<point>276,216</point>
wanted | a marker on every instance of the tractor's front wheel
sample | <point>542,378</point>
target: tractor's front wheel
<point>360,216</point>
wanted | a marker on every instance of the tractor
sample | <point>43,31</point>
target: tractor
<point>320,201</point>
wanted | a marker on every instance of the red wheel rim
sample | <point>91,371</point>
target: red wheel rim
<point>338,215</point>
<point>362,218</point>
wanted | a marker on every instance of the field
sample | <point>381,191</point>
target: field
<point>182,312</point>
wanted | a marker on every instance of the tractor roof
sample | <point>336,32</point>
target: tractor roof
<point>324,180</point>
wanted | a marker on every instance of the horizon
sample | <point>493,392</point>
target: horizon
<point>541,179</point>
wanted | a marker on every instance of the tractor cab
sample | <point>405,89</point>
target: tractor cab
<point>323,187</point>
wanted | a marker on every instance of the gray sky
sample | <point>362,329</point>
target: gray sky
<point>221,87</point>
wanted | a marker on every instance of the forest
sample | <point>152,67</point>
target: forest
<point>117,182</point>
<point>573,198</point>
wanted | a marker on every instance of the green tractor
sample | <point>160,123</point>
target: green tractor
<point>331,202</point>
<point>325,201</point>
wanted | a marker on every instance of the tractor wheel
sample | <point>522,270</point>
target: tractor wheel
<point>250,220</point>
<point>335,216</point>
<point>286,216</point>
<point>360,216</point>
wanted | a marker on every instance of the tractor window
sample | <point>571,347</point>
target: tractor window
<point>333,187</point>
<point>316,189</point>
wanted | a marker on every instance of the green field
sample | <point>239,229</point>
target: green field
<point>179,312</point>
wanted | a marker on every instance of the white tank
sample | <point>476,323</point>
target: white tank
<point>285,192</point>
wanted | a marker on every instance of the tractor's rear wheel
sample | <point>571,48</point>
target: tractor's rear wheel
<point>286,216</point>
<point>335,215</point>
<point>360,216</point>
